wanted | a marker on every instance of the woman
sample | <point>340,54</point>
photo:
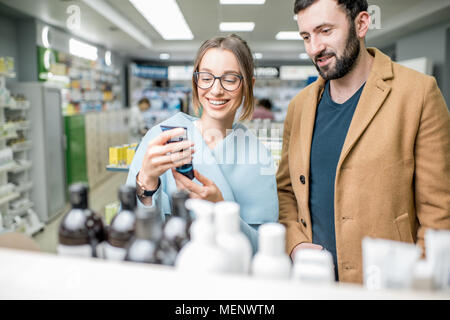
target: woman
<point>229,162</point>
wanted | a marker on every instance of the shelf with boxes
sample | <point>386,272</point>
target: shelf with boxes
<point>88,139</point>
<point>15,183</point>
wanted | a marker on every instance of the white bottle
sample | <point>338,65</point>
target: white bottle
<point>229,236</point>
<point>315,266</point>
<point>271,260</point>
<point>201,254</point>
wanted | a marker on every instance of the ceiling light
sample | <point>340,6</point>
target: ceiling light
<point>237,26</point>
<point>303,56</point>
<point>288,35</point>
<point>82,50</point>
<point>108,60</point>
<point>164,56</point>
<point>115,17</point>
<point>257,55</point>
<point>166,17</point>
<point>44,37</point>
<point>238,2</point>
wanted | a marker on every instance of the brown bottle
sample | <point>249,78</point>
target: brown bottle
<point>81,231</point>
<point>147,235</point>
<point>122,226</point>
<point>176,229</point>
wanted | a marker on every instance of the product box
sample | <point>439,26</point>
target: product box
<point>114,155</point>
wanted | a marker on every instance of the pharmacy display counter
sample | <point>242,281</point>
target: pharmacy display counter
<point>31,275</point>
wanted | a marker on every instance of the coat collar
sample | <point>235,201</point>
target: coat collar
<point>372,98</point>
<point>374,94</point>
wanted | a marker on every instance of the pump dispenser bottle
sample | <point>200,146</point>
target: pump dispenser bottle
<point>229,236</point>
<point>122,226</point>
<point>314,266</point>
<point>176,229</point>
<point>81,232</point>
<point>271,261</point>
<point>201,253</point>
<point>147,235</point>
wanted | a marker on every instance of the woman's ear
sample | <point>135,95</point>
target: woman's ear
<point>253,81</point>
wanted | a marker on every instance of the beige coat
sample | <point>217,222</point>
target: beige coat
<point>393,175</point>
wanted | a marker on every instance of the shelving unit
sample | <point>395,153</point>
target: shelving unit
<point>16,208</point>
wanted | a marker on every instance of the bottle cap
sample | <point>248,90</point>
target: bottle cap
<point>179,199</point>
<point>202,229</point>
<point>226,216</point>
<point>78,195</point>
<point>314,257</point>
<point>272,239</point>
<point>127,197</point>
<point>149,224</point>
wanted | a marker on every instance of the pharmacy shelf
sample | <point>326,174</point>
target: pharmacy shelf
<point>21,105</point>
<point>20,167</point>
<point>8,75</point>
<point>57,272</point>
<point>117,168</point>
<point>23,146</point>
<point>9,197</point>
<point>7,167</point>
<point>23,125</point>
<point>24,186</point>
<point>10,136</point>
<point>21,211</point>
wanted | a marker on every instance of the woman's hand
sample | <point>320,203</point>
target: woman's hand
<point>159,157</point>
<point>207,191</point>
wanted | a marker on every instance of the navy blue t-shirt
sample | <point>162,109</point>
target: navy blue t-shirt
<point>330,129</point>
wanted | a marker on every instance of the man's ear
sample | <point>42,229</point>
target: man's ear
<point>362,24</point>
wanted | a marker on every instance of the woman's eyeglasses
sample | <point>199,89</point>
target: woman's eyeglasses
<point>229,82</point>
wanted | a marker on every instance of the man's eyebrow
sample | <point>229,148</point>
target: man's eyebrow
<point>325,24</point>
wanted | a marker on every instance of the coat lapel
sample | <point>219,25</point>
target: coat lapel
<point>307,119</point>
<point>372,98</point>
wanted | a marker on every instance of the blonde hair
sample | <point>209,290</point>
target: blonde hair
<point>243,54</point>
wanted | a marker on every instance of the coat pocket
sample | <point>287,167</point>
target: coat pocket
<point>404,228</point>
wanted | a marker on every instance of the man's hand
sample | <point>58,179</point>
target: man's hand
<point>304,245</point>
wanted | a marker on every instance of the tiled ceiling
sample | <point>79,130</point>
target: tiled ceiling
<point>398,18</point>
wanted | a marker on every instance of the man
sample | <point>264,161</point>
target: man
<point>366,148</point>
<point>138,125</point>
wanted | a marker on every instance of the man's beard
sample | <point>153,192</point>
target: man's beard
<point>345,63</point>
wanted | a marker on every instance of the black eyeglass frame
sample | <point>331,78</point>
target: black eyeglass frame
<point>220,80</point>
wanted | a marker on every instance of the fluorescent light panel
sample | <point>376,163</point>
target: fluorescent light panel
<point>303,56</point>
<point>239,2</point>
<point>166,17</point>
<point>288,35</point>
<point>258,55</point>
<point>164,56</point>
<point>108,57</point>
<point>82,50</point>
<point>115,17</point>
<point>237,26</point>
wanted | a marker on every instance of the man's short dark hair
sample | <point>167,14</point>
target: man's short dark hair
<point>352,7</point>
<point>144,100</point>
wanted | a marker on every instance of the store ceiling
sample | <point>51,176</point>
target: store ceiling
<point>398,18</point>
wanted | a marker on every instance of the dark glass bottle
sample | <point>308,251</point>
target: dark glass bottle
<point>121,228</point>
<point>176,229</point>
<point>81,231</point>
<point>147,236</point>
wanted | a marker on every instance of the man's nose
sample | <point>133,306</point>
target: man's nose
<point>316,46</point>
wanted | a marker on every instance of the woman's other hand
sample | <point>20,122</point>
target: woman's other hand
<point>207,191</point>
